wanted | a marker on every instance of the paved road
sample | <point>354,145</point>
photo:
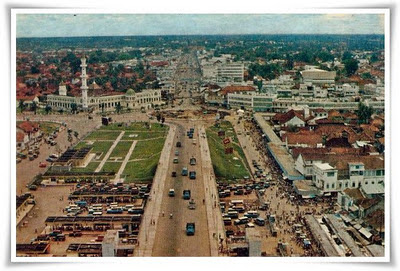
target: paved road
<point>171,238</point>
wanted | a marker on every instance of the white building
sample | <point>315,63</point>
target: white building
<point>250,101</point>
<point>334,173</point>
<point>133,100</point>
<point>317,76</point>
<point>347,90</point>
<point>230,72</point>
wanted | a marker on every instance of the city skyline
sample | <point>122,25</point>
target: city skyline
<point>71,25</point>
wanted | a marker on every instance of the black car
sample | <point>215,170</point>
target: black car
<point>173,173</point>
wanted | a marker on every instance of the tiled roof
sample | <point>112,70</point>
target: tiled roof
<point>28,126</point>
<point>341,161</point>
<point>285,117</point>
<point>20,137</point>
<point>297,151</point>
<point>303,137</point>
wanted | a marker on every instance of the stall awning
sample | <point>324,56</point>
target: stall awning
<point>365,232</point>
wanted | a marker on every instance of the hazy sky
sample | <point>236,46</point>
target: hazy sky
<point>63,25</point>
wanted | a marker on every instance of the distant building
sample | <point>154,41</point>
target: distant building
<point>258,102</point>
<point>317,76</point>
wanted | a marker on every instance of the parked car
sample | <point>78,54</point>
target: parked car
<point>42,164</point>
<point>171,192</point>
<point>259,221</point>
<point>173,173</point>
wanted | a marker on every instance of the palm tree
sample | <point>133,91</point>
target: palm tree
<point>47,108</point>
<point>74,108</point>
<point>118,108</point>
<point>21,105</point>
<point>34,107</point>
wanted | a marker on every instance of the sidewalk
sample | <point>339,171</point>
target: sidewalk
<point>109,152</point>
<point>148,231</point>
<point>214,216</point>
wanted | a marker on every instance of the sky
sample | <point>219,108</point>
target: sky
<point>69,25</point>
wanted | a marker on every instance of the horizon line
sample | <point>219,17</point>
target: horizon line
<point>244,34</point>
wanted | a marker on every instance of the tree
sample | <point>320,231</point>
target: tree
<point>34,70</point>
<point>74,108</point>
<point>47,108</point>
<point>351,66</point>
<point>364,113</point>
<point>34,107</point>
<point>347,56</point>
<point>118,108</point>
<point>21,105</point>
<point>259,84</point>
<point>76,134</point>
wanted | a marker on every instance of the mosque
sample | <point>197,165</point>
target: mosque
<point>95,101</point>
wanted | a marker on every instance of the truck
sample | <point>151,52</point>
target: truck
<point>186,194</point>
<point>190,228</point>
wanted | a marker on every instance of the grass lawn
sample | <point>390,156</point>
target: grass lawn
<point>103,135</point>
<point>121,149</point>
<point>97,147</point>
<point>90,167</point>
<point>142,135</point>
<point>141,171</point>
<point>225,166</point>
<point>145,149</point>
<point>48,127</point>
<point>111,166</point>
<point>136,126</point>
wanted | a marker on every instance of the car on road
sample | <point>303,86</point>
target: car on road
<point>184,171</point>
<point>171,192</point>
<point>192,175</point>
<point>190,228</point>
<point>186,194</point>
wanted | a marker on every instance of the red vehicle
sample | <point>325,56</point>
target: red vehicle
<point>42,164</point>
